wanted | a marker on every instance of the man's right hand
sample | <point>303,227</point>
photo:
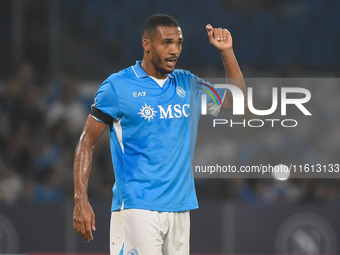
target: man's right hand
<point>84,220</point>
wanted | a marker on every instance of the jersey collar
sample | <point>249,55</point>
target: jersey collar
<point>140,73</point>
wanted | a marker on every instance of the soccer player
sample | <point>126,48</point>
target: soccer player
<point>152,111</point>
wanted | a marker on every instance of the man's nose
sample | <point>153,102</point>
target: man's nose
<point>174,49</point>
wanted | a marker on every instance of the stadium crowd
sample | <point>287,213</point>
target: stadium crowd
<point>40,126</point>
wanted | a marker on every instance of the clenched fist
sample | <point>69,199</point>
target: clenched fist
<point>220,38</point>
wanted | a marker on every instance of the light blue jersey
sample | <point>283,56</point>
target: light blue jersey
<point>150,135</point>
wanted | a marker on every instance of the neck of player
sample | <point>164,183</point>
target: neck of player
<point>151,70</point>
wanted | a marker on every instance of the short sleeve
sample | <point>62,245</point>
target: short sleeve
<point>215,96</point>
<point>106,100</point>
<point>214,102</point>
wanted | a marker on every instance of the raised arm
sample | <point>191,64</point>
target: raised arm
<point>221,39</point>
<point>83,215</point>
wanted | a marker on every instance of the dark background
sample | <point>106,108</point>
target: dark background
<point>53,56</point>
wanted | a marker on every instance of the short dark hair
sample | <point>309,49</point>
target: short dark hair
<point>151,24</point>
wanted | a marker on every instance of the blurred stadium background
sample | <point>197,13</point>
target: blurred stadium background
<point>55,53</point>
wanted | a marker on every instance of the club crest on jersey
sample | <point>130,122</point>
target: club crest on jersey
<point>132,252</point>
<point>147,112</point>
<point>181,91</point>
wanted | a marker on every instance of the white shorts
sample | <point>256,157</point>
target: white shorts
<point>143,232</point>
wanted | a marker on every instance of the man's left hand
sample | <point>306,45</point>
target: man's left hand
<point>220,38</point>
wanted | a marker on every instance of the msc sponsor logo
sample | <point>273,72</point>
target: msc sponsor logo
<point>147,112</point>
<point>167,112</point>
<point>174,111</point>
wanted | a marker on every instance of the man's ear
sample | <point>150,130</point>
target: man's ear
<point>146,44</point>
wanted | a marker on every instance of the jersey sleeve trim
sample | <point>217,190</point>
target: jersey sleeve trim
<point>95,112</point>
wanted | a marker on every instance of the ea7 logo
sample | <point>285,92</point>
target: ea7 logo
<point>174,111</point>
<point>139,94</point>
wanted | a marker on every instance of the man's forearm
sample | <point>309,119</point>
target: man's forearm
<point>230,64</point>
<point>233,76</point>
<point>221,39</point>
<point>83,215</point>
<point>83,156</point>
<point>81,170</point>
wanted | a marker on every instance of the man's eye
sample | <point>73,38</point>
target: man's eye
<point>167,42</point>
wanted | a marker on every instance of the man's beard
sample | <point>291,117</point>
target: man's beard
<point>157,63</point>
